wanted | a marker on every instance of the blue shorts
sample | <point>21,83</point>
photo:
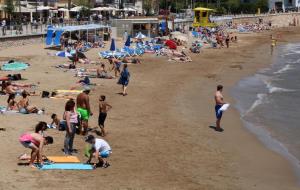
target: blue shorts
<point>105,153</point>
<point>218,112</point>
<point>23,111</point>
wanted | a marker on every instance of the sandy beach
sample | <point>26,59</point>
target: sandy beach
<point>160,132</point>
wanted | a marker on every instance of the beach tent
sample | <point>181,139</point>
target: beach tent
<point>78,8</point>
<point>54,40</point>
<point>171,44</point>
<point>140,36</point>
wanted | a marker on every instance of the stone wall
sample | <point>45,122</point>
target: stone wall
<point>277,20</point>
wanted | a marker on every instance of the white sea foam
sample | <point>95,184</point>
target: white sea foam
<point>284,69</point>
<point>261,98</point>
<point>273,89</point>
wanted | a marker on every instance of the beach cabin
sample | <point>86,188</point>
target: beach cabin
<point>87,32</point>
<point>201,17</point>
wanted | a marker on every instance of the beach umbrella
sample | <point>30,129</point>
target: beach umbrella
<point>63,54</point>
<point>171,44</point>
<point>127,43</point>
<point>112,45</point>
<point>140,36</point>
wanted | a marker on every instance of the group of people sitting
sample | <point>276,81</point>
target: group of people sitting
<point>22,105</point>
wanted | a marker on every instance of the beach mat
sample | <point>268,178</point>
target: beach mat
<point>63,159</point>
<point>72,166</point>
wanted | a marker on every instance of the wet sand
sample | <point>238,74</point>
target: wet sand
<point>160,132</point>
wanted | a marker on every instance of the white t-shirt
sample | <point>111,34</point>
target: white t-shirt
<point>101,145</point>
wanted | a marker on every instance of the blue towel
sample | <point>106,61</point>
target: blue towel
<point>49,37</point>
<point>71,166</point>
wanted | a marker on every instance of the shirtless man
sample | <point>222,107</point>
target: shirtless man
<point>219,103</point>
<point>9,89</point>
<point>104,107</point>
<point>83,108</point>
<point>24,106</point>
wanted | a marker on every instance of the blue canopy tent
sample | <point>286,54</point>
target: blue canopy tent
<point>54,33</point>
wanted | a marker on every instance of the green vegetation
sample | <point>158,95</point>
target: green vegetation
<point>221,6</point>
<point>9,8</point>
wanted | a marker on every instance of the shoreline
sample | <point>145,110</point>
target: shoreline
<point>160,132</point>
<point>288,38</point>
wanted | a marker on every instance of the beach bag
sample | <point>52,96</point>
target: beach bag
<point>45,94</point>
<point>62,126</point>
<point>17,76</point>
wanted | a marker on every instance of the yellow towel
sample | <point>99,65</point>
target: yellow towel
<point>64,159</point>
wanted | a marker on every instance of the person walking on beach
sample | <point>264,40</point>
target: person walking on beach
<point>71,118</point>
<point>219,99</point>
<point>124,79</point>
<point>104,107</point>
<point>84,109</point>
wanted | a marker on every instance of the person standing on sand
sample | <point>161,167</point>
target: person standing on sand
<point>104,107</point>
<point>84,109</point>
<point>71,118</point>
<point>219,103</point>
<point>124,79</point>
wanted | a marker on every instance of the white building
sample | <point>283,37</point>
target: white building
<point>283,4</point>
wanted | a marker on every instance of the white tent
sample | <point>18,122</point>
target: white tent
<point>63,10</point>
<point>140,36</point>
<point>44,8</point>
<point>77,9</point>
<point>128,9</point>
<point>23,10</point>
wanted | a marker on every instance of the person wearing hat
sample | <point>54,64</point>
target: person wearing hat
<point>83,108</point>
<point>100,149</point>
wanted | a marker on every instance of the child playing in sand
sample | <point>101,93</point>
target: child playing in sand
<point>55,121</point>
<point>104,107</point>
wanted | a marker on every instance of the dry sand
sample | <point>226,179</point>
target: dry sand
<point>160,132</point>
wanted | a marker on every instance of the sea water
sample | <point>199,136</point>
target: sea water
<point>269,103</point>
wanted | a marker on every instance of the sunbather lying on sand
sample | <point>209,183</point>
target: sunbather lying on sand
<point>15,88</point>
<point>131,60</point>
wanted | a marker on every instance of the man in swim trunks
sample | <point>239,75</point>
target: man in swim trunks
<point>104,107</point>
<point>36,143</point>
<point>219,103</point>
<point>84,109</point>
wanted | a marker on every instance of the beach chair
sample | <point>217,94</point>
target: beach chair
<point>49,39</point>
<point>58,34</point>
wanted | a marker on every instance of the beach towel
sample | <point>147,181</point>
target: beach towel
<point>68,166</point>
<point>63,159</point>
<point>14,66</point>
<point>224,107</point>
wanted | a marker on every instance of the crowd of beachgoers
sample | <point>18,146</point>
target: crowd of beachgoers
<point>113,64</point>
